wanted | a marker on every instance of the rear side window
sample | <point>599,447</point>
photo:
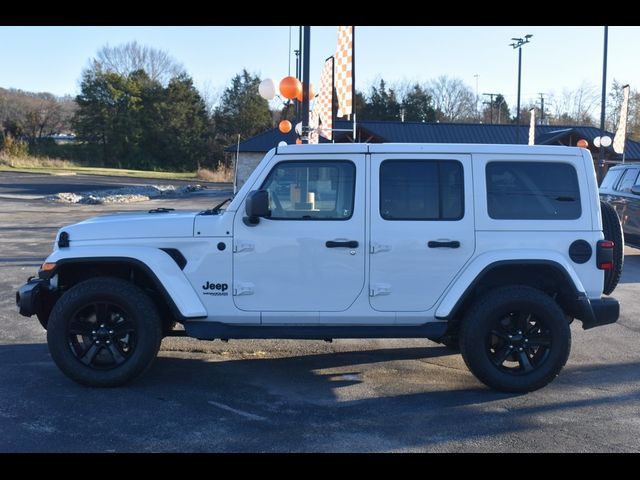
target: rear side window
<point>611,178</point>
<point>532,191</point>
<point>628,180</point>
<point>421,190</point>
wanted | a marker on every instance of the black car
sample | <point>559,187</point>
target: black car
<point>621,189</point>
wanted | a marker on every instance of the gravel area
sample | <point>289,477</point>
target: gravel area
<point>140,193</point>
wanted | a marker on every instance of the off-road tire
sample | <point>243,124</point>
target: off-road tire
<point>140,313</point>
<point>612,230</point>
<point>503,305</point>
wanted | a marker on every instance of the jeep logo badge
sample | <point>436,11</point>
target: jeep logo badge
<point>215,288</point>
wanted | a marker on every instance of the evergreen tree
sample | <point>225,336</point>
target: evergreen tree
<point>141,124</point>
<point>241,111</point>
<point>382,104</point>
<point>418,106</point>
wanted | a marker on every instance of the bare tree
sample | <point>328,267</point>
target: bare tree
<point>614,103</point>
<point>453,100</point>
<point>211,94</point>
<point>34,115</point>
<point>575,107</point>
<point>129,57</point>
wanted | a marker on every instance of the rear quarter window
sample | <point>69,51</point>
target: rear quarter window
<point>532,191</point>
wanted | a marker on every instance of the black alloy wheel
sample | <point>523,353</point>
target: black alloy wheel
<point>519,342</point>
<point>101,335</point>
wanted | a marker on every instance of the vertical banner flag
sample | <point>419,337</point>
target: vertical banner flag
<point>322,108</point>
<point>344,71</point>
<point>621,133</point>
<point>532,127</point>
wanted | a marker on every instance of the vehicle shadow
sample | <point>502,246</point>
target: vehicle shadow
<point>631,269</point>
<point>373,400</point>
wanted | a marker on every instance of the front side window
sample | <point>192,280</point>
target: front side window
<point>532,191</point>
<point>315,190</point>
<point>421,190</point>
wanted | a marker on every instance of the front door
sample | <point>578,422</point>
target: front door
<point>309,256</point>
<point>422,228</point>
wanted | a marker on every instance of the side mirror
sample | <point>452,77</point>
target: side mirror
<point>256,206</point>
<point>635,189</point>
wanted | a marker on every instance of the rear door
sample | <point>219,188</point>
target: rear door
<point>422,227</point>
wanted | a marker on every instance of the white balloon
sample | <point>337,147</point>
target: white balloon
<point>298,128</point>
<point>596,142</point>
<point>282,144</point>
<point>267,89</point>
<point>605,141</point>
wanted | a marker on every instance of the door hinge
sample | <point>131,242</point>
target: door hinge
<point>378,247</point>
<point>242,288</point>
<point>379,289</point>
<point>243,247</point>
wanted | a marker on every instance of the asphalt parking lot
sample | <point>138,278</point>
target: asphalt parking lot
<point>299,396</point>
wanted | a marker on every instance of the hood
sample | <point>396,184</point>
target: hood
<point>133,225</point>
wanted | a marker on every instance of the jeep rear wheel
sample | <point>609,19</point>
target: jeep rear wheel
<point>104,332</point>
<point>515,339</point>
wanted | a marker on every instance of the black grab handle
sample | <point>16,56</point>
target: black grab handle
<point>451,244</point>
<point>347,244</point>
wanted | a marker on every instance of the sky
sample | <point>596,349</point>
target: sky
<point>51,58</point>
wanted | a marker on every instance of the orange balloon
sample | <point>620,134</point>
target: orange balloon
<point>312,93</point>
<point>290,87</point>
<point>285,126</point>
<point>298,141</point>
<point>582,143</point>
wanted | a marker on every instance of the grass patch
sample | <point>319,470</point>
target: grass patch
<point>54,166</point>
<point>222,174</point>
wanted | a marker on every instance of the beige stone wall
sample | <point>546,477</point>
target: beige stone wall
<point>247,162</point>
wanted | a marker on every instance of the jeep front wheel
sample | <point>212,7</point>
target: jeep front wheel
<point>104,332</point>
<point>515,339</point>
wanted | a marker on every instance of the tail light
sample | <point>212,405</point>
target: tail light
<point>604,254</point>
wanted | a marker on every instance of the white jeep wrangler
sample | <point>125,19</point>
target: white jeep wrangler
<point>492,249</point>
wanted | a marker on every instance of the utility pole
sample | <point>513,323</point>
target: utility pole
<point>490,103</point>
<point>541,108</point>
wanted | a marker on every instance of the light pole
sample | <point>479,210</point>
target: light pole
<point>518,43</point>
<point>603,105</point>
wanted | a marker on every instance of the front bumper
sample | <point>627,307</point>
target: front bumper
<point>33,297</point>
<point>597,312</point>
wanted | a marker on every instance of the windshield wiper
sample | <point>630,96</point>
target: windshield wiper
<point>216,210</point>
